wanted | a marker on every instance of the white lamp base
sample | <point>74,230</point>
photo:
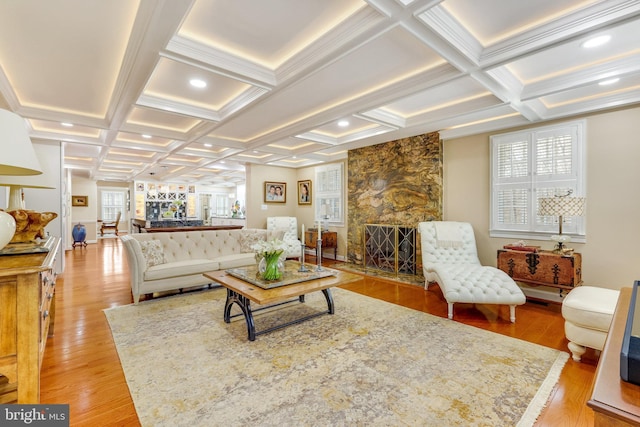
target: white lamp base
<point>560,240</point>
<point>16,201</point>
<point>7,228</point>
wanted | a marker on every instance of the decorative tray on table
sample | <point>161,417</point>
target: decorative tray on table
<point>22,248</point>
<point>290,276</point>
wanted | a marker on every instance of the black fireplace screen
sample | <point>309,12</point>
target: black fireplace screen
<point>390,248</point>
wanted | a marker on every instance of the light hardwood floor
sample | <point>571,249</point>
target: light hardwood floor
<point>81,366</point>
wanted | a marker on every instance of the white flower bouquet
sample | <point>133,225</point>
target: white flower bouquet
<point>270,252</point>
<point>265,248</point>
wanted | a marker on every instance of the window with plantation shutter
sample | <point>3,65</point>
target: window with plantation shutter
<point>113,201</point>
<point>531,164</point>
<point>329,189</point>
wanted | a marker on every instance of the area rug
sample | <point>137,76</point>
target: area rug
<point>372,363</point>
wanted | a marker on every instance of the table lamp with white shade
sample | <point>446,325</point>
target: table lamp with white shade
<point>46,180</point>
<point>561,206</point>
<point>18,158</point>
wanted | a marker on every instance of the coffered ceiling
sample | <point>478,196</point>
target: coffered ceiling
<point>112,78</point>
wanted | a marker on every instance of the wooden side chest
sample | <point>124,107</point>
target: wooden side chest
<point>542,268</point>
<point>27,312</point>
<point>329,240</point>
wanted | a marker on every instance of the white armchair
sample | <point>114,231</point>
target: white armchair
<point>289,225</point>
<point>450,258</point>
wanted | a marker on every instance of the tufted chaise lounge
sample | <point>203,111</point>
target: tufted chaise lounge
<point>452,261</point>
<point>175,260</point>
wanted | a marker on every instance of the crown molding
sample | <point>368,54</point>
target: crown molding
<point>619,68</point>
<point>221,62</point>
<point>178,107</point>
<point>579,23</point>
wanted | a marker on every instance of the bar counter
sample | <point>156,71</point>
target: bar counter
<point>190,228</point>
<point>172,225</point>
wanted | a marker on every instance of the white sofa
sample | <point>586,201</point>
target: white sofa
<point>176,260</point>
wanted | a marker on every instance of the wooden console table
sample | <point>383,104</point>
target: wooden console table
<point>615,402</point>
<point>542,268</point>
<point>329,240</point>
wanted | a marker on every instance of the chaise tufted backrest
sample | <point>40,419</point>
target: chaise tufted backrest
<point>205,244</point>
<point>434,251</point>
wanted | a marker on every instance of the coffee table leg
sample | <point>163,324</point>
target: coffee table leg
<point>245,306</point>
<point>329,298</point>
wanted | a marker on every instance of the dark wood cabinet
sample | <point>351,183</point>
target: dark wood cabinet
<point>329,240</point>
<point>542,268</point>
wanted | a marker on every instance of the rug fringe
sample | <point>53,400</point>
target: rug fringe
<point>543,394</point>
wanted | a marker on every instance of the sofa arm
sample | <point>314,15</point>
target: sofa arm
<point>137,265</point>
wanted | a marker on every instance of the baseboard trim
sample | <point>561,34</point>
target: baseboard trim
<point>543,293</point>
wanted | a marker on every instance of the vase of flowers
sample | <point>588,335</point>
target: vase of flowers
<point>235,209</point>
<point>269,257</point>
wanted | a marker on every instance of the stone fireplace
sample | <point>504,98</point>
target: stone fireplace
<point>398,183</point>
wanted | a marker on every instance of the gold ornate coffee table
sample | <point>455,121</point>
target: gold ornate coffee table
<point>243,287</point>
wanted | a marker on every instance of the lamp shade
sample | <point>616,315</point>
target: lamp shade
<point>18,156</point>
<point>561,206</point>
<point>48,179</point>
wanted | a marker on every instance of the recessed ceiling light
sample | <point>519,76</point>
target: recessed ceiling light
<point>67,125</point>
<point>343,123</point>
<point>208,145</point>
<point>609,81</point>
<point>145,136</point>
<point>198,83</point>
<point>596,41</point>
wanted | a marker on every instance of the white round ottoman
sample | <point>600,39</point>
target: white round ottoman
<point>587,311</point>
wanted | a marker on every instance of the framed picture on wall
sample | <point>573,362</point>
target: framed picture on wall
<point>275,192</point>
<point>79,200</point>
<point>304,192</point>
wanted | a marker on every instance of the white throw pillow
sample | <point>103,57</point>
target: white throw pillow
<point>153,252</point>
<point>277,234</point>
<point>249,237</point>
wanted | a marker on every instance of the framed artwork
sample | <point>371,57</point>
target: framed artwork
<point>79,200</point>
<point>304,192</point>
<point>275,192</point>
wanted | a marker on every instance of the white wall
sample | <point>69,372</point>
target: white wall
<point>611,253</point>
<point>86,215</point>
<point>257,209</point>
<point>51,200</point>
